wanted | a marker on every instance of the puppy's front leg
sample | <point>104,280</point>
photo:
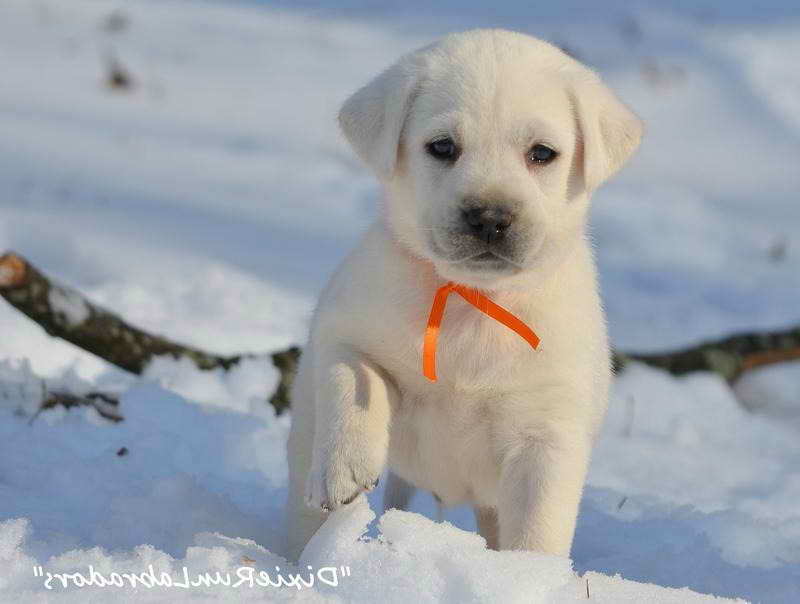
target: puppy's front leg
<point>351,437</point>
<point>540,488</point>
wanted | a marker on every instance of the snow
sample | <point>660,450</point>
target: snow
<point>211,201</point>
<point>771,390</point>
<point>241,388</point>
<point>68,305</point>
<point>203,487</point>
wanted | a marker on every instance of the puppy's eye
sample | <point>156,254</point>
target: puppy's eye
<point>443,149</point>
<point>541,154</point>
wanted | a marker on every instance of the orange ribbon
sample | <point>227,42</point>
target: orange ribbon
<point>479,301</point>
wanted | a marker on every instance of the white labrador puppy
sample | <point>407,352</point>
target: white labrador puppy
<point>489,144</point>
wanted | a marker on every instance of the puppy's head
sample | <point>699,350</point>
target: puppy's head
<point>489,144</point>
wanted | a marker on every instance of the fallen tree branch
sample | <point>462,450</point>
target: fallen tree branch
<point>64,313</point>
<point>729,357</point>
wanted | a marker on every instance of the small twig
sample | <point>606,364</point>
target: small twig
<point>777,251</point>
<point>107,405</point>
<point>118,78</point>
<point>115,22</point>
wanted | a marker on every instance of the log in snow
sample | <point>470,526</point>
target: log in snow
<point>64,313</point>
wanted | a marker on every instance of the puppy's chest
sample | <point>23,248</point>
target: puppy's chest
<point>442,440</point>
<point>472,349</point>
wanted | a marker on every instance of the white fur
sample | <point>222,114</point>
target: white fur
<point>506,428</point>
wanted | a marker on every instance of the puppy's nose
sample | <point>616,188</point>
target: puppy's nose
<point>488,224</point>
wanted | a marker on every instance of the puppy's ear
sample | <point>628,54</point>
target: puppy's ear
<point>609,131</point>
<point>372,119</point>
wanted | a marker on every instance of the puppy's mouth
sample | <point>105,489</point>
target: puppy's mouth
<point>484,259</point>
<point>488,261</point>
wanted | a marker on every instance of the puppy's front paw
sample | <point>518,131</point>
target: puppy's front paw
<point>338,478</point>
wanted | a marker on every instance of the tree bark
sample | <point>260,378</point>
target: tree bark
<point>64,313</point>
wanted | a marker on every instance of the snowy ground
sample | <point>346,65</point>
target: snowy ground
<point>190,204</point>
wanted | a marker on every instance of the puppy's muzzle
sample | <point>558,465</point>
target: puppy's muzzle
<point>487,223</point>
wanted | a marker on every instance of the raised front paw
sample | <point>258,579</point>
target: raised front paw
<point>339,477</point>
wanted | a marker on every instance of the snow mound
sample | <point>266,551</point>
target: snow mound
<point>181,483</point>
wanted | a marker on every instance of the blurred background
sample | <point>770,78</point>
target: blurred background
<point>180,163</point>
<point>180,160</point>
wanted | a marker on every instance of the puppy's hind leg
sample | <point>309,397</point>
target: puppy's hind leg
<point>398,493</point>
<point>486,519</point>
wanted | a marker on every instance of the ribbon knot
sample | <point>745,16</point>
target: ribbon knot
<point>479,301</point>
